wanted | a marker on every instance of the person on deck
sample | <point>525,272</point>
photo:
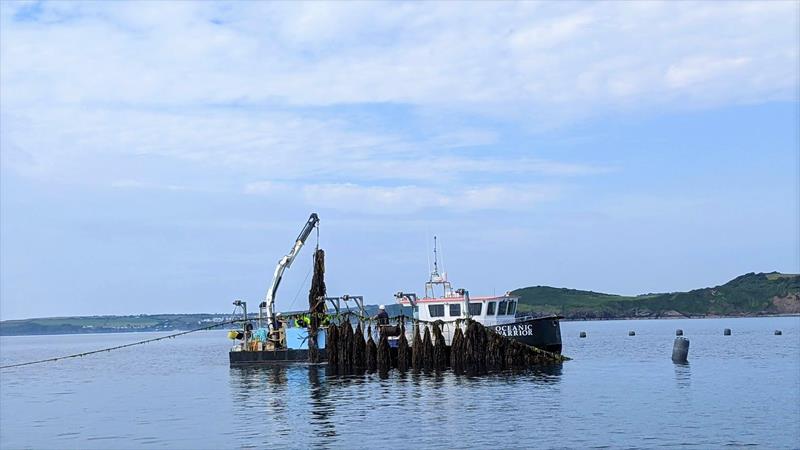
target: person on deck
<point>383,316</point>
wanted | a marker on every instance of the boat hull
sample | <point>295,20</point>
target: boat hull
<point>270,357</point>
<point>539,332</point>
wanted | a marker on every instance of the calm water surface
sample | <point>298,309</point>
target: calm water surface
<point>619,391</point>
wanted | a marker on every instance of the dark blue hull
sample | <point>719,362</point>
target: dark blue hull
<point>539,332</point>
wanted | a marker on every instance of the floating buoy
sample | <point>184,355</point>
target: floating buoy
<point>678,332</point>
<point>778,332</point>
<point>583,334</point>
<point>631,333</point>
<point>680,350</point>
<point>727,332</point>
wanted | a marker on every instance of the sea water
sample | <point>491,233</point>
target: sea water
<point>618,391</point>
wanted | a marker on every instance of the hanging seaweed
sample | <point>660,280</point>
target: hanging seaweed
<point>403,352</point>
<point>457,351</point>
<point>417,360</point>
<point>359,350</point>
<point>495,351</point>
<point>427,351</point>
<point>345,348</point>
<point>384,361</point>
<point>475,349</point>
<point>371,353</point>
<point>316,304</point>
<point>332,349</point>
<point>440,358</point>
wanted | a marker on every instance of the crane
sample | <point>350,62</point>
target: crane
<point>283,264</point>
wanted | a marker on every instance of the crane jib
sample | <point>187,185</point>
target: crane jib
<point>312,222</point>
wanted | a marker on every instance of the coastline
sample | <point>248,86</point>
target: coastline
<point>57,332</point>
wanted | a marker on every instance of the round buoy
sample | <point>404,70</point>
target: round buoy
<point>678,332</point>
<point>631,333</point>
<point>680,350</point>
<point>778,332</point>
<point>727,332</point>
<point>583,334</point>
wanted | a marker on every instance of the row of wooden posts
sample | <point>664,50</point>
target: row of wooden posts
<point>476,351</point>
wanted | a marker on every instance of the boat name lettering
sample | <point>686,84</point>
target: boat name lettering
<point>514,330</point>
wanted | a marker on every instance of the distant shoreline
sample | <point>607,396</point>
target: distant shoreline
<point>22,330</point>
<point>732,316</point>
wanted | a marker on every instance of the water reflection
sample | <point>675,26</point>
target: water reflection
<point>683,374</point>
<point>547,374</point>
<point>321,406</point>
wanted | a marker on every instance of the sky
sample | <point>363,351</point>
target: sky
<point>162,157</point>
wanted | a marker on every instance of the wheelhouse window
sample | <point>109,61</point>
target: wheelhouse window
<point>490,308</point>
<point>512,308</point>
<point>455,310</point>
<point>475,309</point>
<point>436,310</point>
<point>502,308</point>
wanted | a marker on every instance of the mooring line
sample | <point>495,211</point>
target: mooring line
<point>401,317</point>
<point>77,355</point>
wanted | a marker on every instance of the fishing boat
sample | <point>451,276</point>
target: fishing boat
<point>499,313</point>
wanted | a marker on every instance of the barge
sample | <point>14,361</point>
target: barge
<point>270,338</point>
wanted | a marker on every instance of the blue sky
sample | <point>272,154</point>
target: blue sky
<point>161,157</point>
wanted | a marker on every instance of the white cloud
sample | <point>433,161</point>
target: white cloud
<point>699,69</point>
<point>294,92</point>
<point>409,199</point>
<point>515,57</point>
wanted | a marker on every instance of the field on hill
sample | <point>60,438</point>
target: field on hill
<point>750,294</point>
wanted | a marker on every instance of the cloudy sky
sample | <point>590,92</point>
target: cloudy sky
<point>161,157</point>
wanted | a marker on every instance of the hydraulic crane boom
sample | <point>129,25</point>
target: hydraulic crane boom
<point>283,264</point>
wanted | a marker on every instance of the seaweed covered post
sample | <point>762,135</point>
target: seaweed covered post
<point>457,351</point>
<point>427,351</point>
<point>372,352</point>
<point>384,360</point>
<point>345,348</point>
<point>475,348</point>
<point>495,351</point>
<point>332,349</point>
<point>403,352</point>
<point>316,304</point>
<point>359,350</point>
<point>439,349</point>
<point>417,360</point>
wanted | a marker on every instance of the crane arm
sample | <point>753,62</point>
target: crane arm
<point>284,264</point>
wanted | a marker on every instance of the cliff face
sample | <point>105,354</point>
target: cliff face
<point>752,294</point>
<point>789,304</point>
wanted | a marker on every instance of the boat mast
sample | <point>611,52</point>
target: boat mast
<point>436,277</point>
<point>435,261</point>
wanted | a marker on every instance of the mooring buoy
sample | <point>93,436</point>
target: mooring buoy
<point>727,332</point>
<point>583,334</point>
<point>778,332</point>
<point>678,332</point>
<point>631,333</point>
<point>680,350</point>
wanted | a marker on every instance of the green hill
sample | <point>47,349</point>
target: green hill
<point>747,295</point>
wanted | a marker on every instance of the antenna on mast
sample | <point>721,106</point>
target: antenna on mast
<point>435,258</point>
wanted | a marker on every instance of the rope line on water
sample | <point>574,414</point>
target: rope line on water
<point>77,355</point>
<point>346,314</point>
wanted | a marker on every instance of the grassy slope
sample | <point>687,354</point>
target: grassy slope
<point>748,294</point>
